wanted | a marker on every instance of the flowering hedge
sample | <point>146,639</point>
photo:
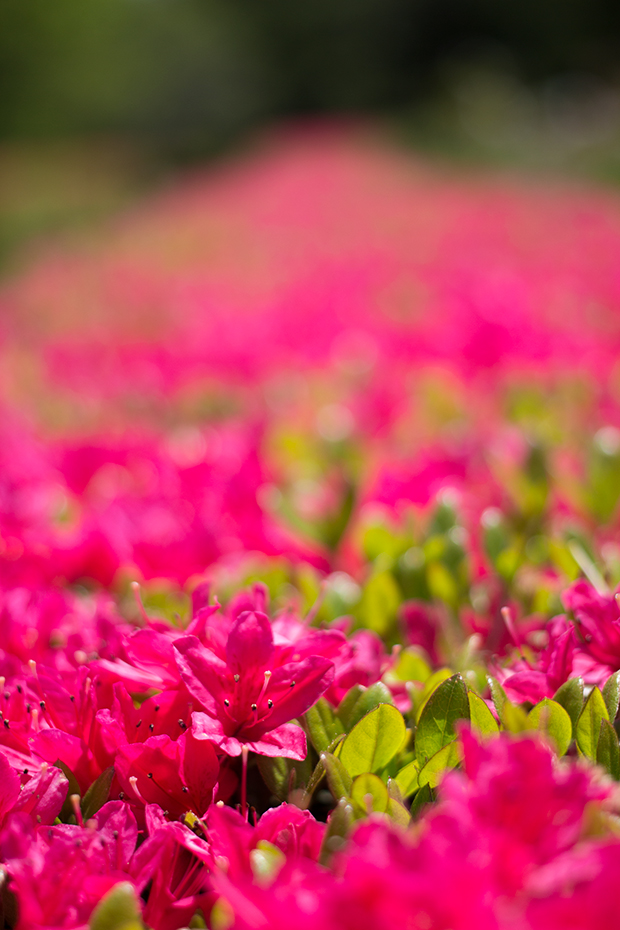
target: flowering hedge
<point>309,483</point>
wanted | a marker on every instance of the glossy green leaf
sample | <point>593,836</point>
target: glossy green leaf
<point>322,725</point>
<point>570,696</point>
<point>550,718</point>
<point>447,758</point>
<point>482,720</point>
<point>608,751</point>
<point>374,740</point>
<point>118,910</point>
<point>407,778</point>
<point>589,724</point>
<point>445,706</point>
<point>338,778</point>
<point>369,794</point>
<point>97,794</point>
<point>611,695</point>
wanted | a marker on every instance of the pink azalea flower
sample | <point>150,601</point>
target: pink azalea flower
<point>60,873</point>
<point>178,775</point>
<point>597,620</point>
<point>250,696</point>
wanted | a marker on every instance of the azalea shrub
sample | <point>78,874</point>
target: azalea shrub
<point>309,555</point>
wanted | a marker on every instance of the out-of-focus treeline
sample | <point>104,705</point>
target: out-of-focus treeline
<point>192,74</point>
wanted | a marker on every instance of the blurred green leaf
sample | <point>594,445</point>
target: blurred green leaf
<point>481,717</point>
<point>608,751</point>
<point>369,794</point>
<point>118,910</point>
<point>550,718</point>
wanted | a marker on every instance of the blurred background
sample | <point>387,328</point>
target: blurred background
<point>101,99</point>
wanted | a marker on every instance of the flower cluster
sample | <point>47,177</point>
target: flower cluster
<point>309,556</point>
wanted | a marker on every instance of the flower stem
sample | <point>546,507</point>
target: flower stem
<point>244,781</point>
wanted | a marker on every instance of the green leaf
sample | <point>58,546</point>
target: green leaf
<point>589,724</point>
<point>608,751</point>
<point>407,778</point>
<point>436,679</point>
<point>322,725</point>
<point>411,666</point>
<point>445,706</point>
<point>482,720</point>
<point>398,812</point>
<point>338,778</point>
<point>611,695</point>
<point>346,706</point>
<point>67,812</point>
<point>276,773</point>
<point>369,794</point>
<point>380,601</point>
<point>570,696</point>
<point>369,698</point>
<point>338,827</point>
<point>423,797</point>
<point>498,695</point>
<point>97,794</point>
<point>550,717</point>
<point>118,910</point>
<point>374,741</point>
<point>514,718</point>
<point>394,791</point>
<point>447,758</point>
<point>284,775</point>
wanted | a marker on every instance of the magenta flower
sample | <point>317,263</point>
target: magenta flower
<point>179,776</point>
<point>249,697</point>
<point>597,619</point>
